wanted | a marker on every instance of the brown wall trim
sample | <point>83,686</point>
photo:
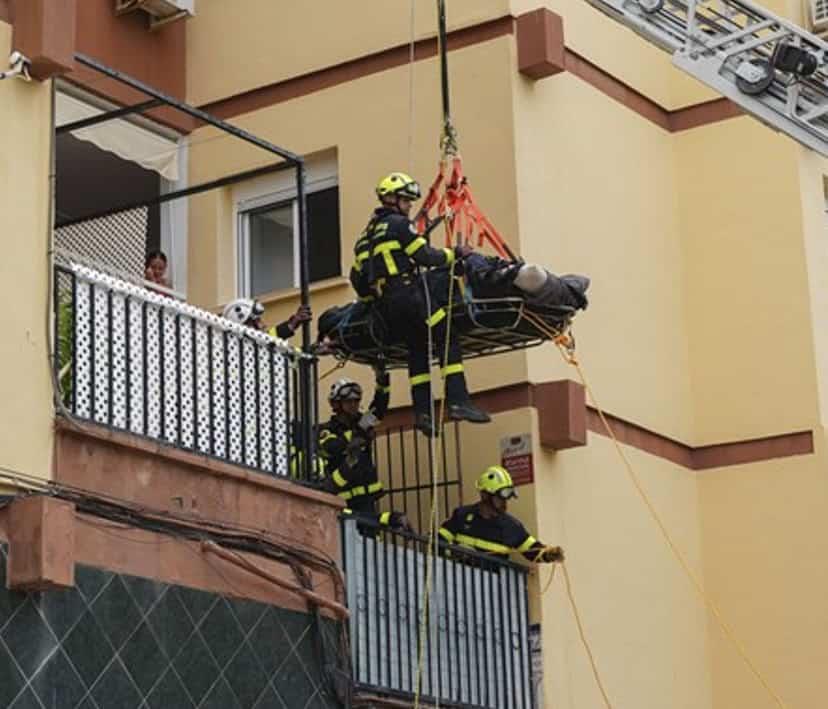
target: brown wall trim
<point>540,61</point>
<point>702,114</point>
<point>616,89</point>
<point>139,552</point>
<point>550,414</point>
<point>44,31</point>
<point>716,455</point>
<point>680,119</point>
<point>208,466</point>
<point>5,11</point>
<point>542,52</point>
<point>169,481</point>
<point>355,69</point>
<point>495,401</point>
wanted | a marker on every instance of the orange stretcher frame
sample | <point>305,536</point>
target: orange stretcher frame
<point>452,199</point>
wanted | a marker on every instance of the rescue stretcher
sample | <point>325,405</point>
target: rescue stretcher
<point>485,326</point>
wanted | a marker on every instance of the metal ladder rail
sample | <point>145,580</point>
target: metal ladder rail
<point>732,46</point>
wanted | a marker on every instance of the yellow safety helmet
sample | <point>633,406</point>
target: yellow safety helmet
<point>400,184</point>
<point>497,481</point>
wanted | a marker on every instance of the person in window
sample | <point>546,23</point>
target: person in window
<point>486,527</point>
<point>246,311</point>
<point>155,269</point>
<point>346,447</point>
<point>389,256</point>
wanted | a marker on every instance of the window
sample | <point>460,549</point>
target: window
<point>269,239</point>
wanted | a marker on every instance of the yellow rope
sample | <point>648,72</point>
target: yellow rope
<point>577,615</point>
<point>581,632</point>
<point>339,365</point>
<point>563,342</point>
<point>432,524</point>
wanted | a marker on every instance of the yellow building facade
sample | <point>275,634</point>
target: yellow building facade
<point>704,245</point>
<point>706,339</point>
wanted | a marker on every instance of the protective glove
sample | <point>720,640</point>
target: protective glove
<point>354,449</point>
<point>432,224</point>
<point>462,250</point>
<point>302,314</point>
<point>551,554</point>
<point>367,422</point>
<point>382,378</point>
<point>399,522</point>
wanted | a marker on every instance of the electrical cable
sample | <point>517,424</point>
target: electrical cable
<point>411,64</point>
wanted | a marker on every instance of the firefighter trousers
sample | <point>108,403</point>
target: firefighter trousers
<point>406,311</point>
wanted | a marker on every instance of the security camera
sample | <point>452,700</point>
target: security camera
<point>18,66</point>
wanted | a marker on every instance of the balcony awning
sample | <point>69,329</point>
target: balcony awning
<point>121,137</point>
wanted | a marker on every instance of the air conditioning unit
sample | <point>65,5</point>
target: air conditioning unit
<point>818,10</point>
<point>160,11</point>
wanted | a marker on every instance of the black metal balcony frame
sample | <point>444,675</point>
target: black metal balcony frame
<point>474,667</point>
<point>285,160</point>
<point>408,476</point>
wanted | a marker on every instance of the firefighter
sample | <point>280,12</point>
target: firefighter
<point>389,256</point>
<point>487,527</point>
<point>246,311</point>
<point>346,446</point>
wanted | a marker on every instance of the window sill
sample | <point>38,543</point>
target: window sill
<point>280,296</point>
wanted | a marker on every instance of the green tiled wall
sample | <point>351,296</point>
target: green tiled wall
<point>121,642</point>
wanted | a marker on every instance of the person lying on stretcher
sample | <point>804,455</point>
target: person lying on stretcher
<point>488,277</point>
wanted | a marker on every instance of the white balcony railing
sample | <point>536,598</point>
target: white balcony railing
<point>144,363</point>
<point>475,650</point>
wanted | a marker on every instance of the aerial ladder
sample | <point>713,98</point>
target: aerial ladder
<point>769,66</point>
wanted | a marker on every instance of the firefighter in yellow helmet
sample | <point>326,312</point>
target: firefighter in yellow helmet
<point>388,258</point>
<point>487,527</point>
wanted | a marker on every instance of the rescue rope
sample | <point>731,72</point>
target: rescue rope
<point>339,365</point>
<point>433,522</point>
<point>576,615</point>
<point>562,341</point>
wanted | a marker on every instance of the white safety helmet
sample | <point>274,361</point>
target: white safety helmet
<point>242,309</point>
<point>344,389</point>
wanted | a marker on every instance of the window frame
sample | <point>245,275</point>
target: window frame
<point>272,199</point>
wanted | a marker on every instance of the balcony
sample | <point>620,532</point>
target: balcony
<point>473,648</point>
<point>142,363</point>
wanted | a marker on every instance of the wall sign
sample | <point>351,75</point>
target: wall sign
<point>516,457</point>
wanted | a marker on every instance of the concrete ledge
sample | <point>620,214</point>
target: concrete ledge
<point>162,478</point>
<point>41,533</point>
<point>562,420</point>
<point>540,44</point>
<point>44,30</point>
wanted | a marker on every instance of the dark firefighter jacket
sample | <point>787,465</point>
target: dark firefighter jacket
<point>347,451</point>
<point>389,247</point>
<point>498,536</point>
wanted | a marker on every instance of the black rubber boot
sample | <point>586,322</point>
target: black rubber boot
<point>424,423</point>
<point>467,411</point>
